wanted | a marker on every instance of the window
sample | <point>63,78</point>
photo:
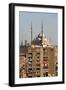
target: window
<point>45,58</point>
<point>30,62</point>
<point>30,53</point>
<point>38,55</point>
<point>29,65</point>
<point>45,74</point>
<point>45,51</point>
<point>38,64</point>
<point>45,66</point>
<point>29,76</point>
<point>29,69</point>
<point>37,68</point>
<point>38,75</point>
<point>38,60</point>
<point>30,58</point>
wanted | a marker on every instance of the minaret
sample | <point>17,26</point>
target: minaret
<point>25,39</point>
<point>42,27</point>
<point>42,32</point>
<point>31,33</point>
<point>22,40</point>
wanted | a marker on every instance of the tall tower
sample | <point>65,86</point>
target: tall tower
<point>42,32</point>
<point>22,39</point>
<point>25,39</point>
<point>31,33</point>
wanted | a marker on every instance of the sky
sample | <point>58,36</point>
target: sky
<point>50,25</point>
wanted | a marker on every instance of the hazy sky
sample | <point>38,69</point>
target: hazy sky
<point>50,25</point>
